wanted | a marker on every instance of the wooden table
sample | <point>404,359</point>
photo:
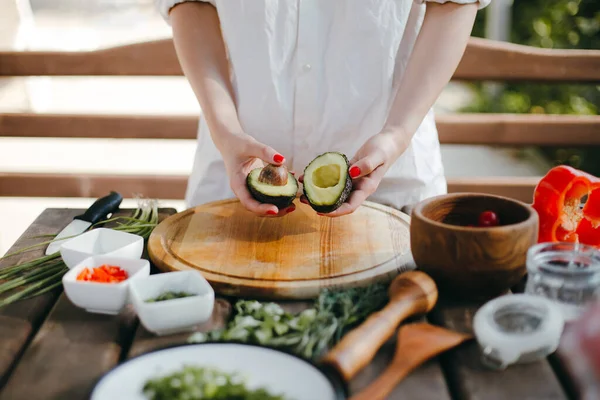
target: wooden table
<point>50,349</point>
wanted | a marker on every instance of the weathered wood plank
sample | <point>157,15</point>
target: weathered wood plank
<point>484,59</point>
<point>152,58</point>
<point>19,321</point>
<point>91,185</point>
<point>72,349</point>
<point>518,129</point>
<point>471,380</point>
<point>173,186</point>
<point>477,129</point>
<point>98,126</point>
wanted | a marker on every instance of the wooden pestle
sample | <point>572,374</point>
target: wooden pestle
<point>416,344</point>
<point>411,293</point>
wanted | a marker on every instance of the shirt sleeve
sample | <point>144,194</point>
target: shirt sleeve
<point>164,6</point>
<point>481,3</point>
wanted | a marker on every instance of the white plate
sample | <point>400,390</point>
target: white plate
<point>278,372</point>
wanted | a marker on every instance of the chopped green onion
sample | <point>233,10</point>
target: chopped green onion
<point>34,277</point>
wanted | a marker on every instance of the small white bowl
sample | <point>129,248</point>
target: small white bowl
<point>101,241</point>
<point>177,315</point>
<point>103,298</point>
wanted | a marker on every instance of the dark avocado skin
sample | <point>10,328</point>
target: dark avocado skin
<point>280,202</point>
<point>324,209</point>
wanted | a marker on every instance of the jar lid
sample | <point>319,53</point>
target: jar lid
<point>517,328</point>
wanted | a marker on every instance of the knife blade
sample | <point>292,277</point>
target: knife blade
<point>97,212</point>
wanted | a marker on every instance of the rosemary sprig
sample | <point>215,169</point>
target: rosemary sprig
<point>309,333</point>
<point>34,277</point>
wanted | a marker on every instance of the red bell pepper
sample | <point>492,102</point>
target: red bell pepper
<point>557,199</point>
<point>589,227</point>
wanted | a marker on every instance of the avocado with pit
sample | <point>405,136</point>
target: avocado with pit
<point>327,182</point>
<point>272,184</point>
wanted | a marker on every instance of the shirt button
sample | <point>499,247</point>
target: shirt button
<point>306,67</point>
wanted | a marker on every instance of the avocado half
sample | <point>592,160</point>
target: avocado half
<point>327,183</point>
<point>273,185</point>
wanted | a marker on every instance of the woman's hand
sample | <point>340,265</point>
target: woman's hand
<point>242,155</point>
<point>367,168</point>
<point>201,53</point>
<point>437,51</point>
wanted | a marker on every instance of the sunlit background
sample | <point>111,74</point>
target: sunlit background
<point>76,25</point>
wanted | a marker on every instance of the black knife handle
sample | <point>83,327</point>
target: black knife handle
<point>101,208</point>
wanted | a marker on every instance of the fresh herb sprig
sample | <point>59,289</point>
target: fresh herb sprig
<point>309,333</point>
<point>38,276</point>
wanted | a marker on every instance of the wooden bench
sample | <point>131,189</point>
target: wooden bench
<point>484,60</point>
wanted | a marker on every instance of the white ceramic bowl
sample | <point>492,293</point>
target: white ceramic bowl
<point>101,241</point>
<point>176,315</point>
<point>103,298</point>
<point>276,371</point>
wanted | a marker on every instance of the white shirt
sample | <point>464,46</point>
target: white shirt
<point>312,76</point>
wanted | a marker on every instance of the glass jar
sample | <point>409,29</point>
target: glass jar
<point>566,273</point>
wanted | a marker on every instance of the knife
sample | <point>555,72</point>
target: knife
<point>97,212</point>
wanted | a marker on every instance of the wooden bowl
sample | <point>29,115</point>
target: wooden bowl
<point>472,262</point>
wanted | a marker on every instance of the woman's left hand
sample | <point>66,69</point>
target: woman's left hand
<point>367,168</point>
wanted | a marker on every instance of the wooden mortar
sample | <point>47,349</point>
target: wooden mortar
<point>473,263</point>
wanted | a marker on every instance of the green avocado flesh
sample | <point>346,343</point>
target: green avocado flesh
<point>280,196</point>
<point>327,183</point>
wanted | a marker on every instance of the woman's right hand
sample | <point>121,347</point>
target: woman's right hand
<point>242,155</point>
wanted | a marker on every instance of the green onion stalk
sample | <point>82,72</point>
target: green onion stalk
<point>32,278</point>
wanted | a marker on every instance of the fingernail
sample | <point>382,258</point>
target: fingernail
<point>271,212</point>
<point>291,209</point>
<point>354,171</point>
<point>303,200</point>
<point>278,158</point>
<point>321,214</point>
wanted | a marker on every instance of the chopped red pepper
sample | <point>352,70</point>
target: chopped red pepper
<point>104,273</point>
<point>557,200</point>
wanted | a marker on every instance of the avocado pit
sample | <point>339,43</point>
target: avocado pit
<point>274,175</point>
<point>272,184</point>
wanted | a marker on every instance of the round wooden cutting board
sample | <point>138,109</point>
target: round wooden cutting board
<point>291,257</point>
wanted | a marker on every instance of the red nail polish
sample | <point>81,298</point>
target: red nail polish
<point>321,214</point>
<point>278,158</point>
<point>302,200</point>
<point>271,212</point>
<point>291,209</point>
<point>354,171</point>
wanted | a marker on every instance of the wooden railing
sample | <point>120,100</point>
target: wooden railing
<point>483,60</point>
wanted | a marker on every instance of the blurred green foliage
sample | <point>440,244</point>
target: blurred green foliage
<point>565,24</point>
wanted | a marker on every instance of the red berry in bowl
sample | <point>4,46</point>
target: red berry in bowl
<point>488,218</point>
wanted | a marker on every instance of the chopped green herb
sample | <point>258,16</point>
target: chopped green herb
<point>200,383</point>
<point>308,334</point>
<point>169,296</point>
